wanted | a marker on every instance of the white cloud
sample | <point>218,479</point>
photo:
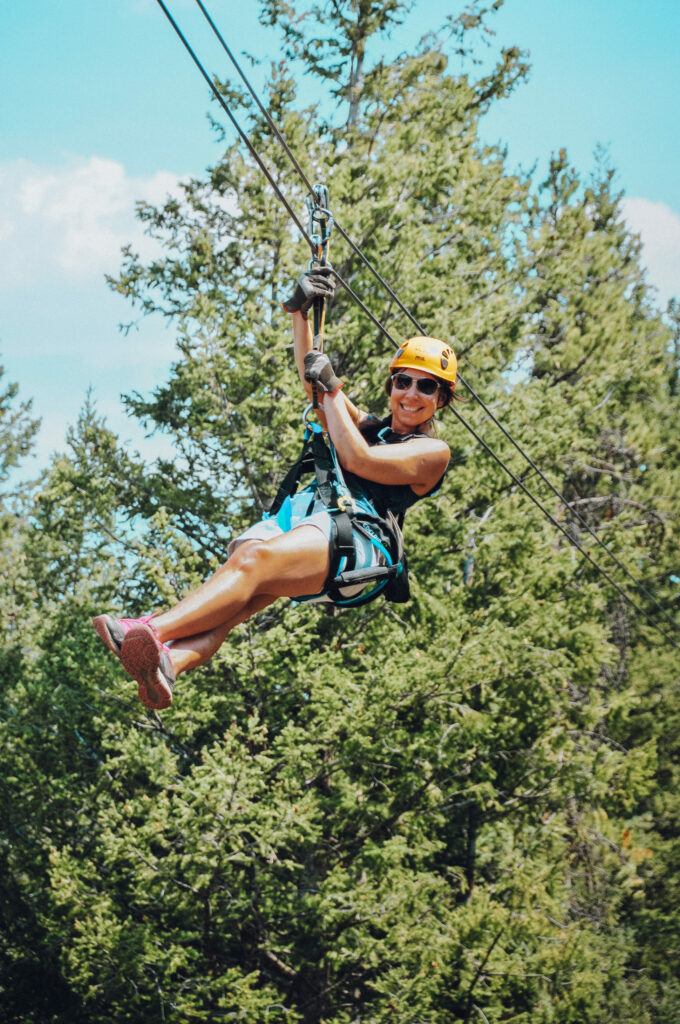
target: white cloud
<point>71,222</point>
<point>659,228</point>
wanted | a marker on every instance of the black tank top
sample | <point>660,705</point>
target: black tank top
<point>395,498</point>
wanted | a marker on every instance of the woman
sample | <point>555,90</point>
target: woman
<point>393,463</point>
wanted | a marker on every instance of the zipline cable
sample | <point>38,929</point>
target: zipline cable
<point>256,156</point>
<point>384,284</point>
<point>263,167</point>
<point>566,533</point>
<point>295,219</point>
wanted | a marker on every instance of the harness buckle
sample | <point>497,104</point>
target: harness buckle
<point>346,503</point>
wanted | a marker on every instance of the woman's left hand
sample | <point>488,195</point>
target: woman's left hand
<point>319,371</point>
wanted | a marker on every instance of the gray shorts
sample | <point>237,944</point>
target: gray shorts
<point>297,512</point>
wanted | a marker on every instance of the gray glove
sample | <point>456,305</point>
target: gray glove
<point>318,370</point>
<point>317,283</point>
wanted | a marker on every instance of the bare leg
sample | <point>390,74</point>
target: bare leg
<point>291,565</point>
<point>193,651</point>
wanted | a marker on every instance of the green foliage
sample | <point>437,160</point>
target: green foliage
<point>461,809</point>
<point>17,429</point>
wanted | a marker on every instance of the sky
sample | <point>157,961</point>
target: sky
<point>100,106</point>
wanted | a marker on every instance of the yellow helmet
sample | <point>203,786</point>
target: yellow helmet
<point>427,354</point>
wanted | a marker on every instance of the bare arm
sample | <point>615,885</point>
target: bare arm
<point>418,463</point>
<point>303,343</point>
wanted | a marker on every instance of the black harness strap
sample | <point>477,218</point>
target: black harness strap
<point>289,485</point>
<point>342,545</point>
<point>316,457</point>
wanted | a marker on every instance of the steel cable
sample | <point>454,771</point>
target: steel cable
<point>421,330</point>
<point>256,156</point>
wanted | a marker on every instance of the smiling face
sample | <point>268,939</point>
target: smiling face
<point>411,409</point>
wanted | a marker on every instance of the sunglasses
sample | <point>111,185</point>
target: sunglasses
<point>426,385</point>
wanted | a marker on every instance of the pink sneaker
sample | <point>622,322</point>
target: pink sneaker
<point>148,661</point>
<point>113,631</point>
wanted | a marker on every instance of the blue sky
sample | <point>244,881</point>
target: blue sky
<point>100,106</point>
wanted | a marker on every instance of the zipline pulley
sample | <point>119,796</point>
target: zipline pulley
<point>320,227</point>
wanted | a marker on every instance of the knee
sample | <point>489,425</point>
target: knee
<point>250,559</point>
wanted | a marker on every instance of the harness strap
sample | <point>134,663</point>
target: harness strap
<point>342,544</point>
<point>392,578</point>
<point>325,472</point>
<point>305,464</point>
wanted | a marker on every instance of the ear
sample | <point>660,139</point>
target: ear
<point>444,398</point>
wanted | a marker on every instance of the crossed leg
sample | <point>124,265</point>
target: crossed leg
<point>192,651</point>
<point>257,574</point>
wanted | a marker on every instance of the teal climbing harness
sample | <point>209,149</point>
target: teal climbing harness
<point>349,515</point>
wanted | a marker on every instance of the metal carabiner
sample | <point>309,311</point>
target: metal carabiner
<point>315,428</point>
<point>320,227</point>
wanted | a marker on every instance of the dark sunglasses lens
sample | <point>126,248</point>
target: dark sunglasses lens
<point>426,386</point>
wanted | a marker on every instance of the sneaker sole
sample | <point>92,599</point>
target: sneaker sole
<point>101,628</point>
<point>141,657</point>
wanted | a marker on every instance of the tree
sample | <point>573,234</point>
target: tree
<point>440,812</point>
<point>334,47</point>
<point>598,340</point>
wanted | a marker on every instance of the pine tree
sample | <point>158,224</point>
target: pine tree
<point>602,348</point>
<point>440,811</point>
